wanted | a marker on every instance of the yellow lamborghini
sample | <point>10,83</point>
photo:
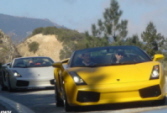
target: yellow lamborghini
<point>106,75</point>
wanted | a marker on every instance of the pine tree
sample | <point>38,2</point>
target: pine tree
<point>154,41</point>
<point>110,28</point>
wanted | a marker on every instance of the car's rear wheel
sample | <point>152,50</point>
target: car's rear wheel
<point>59,101</point>
<point>159,102</point>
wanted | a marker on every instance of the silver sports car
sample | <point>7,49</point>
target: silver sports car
<point>28,73</point>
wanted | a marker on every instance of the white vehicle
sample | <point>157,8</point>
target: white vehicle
<point>28,73</point>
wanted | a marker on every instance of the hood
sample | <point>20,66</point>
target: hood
<point>31,73</point>
<point>116,73</point>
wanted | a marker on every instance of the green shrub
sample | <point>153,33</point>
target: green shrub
<point>33,46</point>
<point>37,31</point>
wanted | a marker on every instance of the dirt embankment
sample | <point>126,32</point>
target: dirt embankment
<point>48,46</point>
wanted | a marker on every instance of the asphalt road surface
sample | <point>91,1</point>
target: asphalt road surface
<point>43,101</point>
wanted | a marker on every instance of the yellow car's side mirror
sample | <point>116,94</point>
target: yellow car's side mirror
<point>65,60</point>
<point>158,57</point>
<point>57,64</point>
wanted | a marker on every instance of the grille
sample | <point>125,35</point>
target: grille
<point>85,96</point>
<point>152,91</point>
<point>22,83</point>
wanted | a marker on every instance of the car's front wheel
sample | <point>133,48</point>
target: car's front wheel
<point>67,107</point>
<point>59,101</point>
<point>10,89</point>
<point>3,88</point>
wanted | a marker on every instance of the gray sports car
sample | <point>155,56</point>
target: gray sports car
<point>28,73</point>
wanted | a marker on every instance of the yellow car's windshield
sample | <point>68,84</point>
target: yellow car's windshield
<point>113,55</point>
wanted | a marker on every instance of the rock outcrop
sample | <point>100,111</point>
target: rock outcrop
<point>48,46</point>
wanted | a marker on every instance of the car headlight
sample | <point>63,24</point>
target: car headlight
<point>155,72</point>
<point>16,74</point>
<point>77,79</point>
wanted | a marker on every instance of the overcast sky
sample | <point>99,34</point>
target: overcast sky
<point>81,14</point>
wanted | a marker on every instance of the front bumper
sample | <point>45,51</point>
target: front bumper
<point>20,83</point>
<point>115,93</point>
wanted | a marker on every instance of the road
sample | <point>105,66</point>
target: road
<point>43,101</point>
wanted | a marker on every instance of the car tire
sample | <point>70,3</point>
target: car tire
<point>10,89</point>
<point>59,101</point>
<point>67,107</point>
<point>159,102</point>
<point>3,87</point>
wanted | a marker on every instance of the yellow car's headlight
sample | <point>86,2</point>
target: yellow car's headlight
<point>77,79</point>
<point>155,72</point>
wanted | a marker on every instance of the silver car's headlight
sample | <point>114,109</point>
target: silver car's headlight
<point>16,74</point>
<point>155,72</point>
<point>77,79</point>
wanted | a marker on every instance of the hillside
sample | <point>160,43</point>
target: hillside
<point>18,28</point>
<point>7,49</point>
<point>48,46</point>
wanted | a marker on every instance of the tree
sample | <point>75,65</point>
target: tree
<point>154,41</point>
<point>68,48</point>
<point>134,40</point>
<point>110,28</point>
<point>92,41</point>
<point>72,40</point>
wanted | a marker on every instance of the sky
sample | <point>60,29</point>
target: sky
<point>81,14</point>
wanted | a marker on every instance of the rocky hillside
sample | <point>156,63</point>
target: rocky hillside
<point>7,49</point>
<point>48,46</point>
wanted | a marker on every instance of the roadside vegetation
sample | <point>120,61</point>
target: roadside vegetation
<point>71,39</point>
<point>7,49</point>
<point>33,46</point>
<point>109,30</point>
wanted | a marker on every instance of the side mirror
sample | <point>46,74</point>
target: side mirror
<point>65,60</point>
<point>57,64</point>
<point>9,65</point>
<point>158,57</point>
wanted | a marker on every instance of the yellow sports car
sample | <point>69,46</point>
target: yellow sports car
<point>106,75</point>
